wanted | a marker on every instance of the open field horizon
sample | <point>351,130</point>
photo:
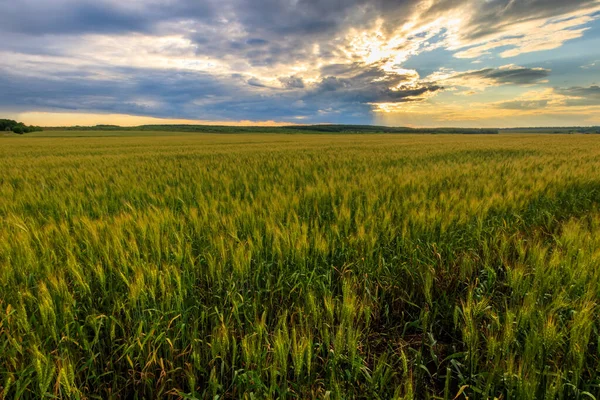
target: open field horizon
<point>201,266</point>
<point>325,129</point>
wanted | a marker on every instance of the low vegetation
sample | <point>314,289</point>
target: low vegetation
<point>560,130</point>
<point>313,266</point>
<point>345,129</point>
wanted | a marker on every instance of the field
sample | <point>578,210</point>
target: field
<point>254,266</point>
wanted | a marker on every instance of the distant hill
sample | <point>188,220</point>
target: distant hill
<point>326,128</point>
<point>345,129</point>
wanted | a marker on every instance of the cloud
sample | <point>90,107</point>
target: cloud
<point>520,105</point>
<point>241,59</point>
<point>505,75</point>
<point>482,79</point>
<point>593,65</point>
<point>198,95</point>
<point>292,82</point>
<point>131,91</point>
<point>517,27</point>
<point>256,82</point>
<point>267,32</point>
<point>42,17</point>
<point>553,99</point>
<point>581,96</point>
<point>543,107</point>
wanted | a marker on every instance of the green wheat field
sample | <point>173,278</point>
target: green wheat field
<point>199,266</point>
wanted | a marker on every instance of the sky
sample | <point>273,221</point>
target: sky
<point>430,63</point>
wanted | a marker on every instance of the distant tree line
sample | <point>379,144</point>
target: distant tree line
<point>329,128</point>
<point>8,125</point>
<point>345,129</point>
<point>560,130</point>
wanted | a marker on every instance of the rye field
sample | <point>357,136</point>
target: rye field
<point>198,266</point>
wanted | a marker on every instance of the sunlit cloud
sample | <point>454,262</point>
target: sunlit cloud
<point>530,36</point>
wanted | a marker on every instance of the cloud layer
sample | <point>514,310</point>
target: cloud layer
<point>288,60</point>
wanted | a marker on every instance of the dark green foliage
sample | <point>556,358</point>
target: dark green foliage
<point>557,130</point>
<point>8,125</point>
